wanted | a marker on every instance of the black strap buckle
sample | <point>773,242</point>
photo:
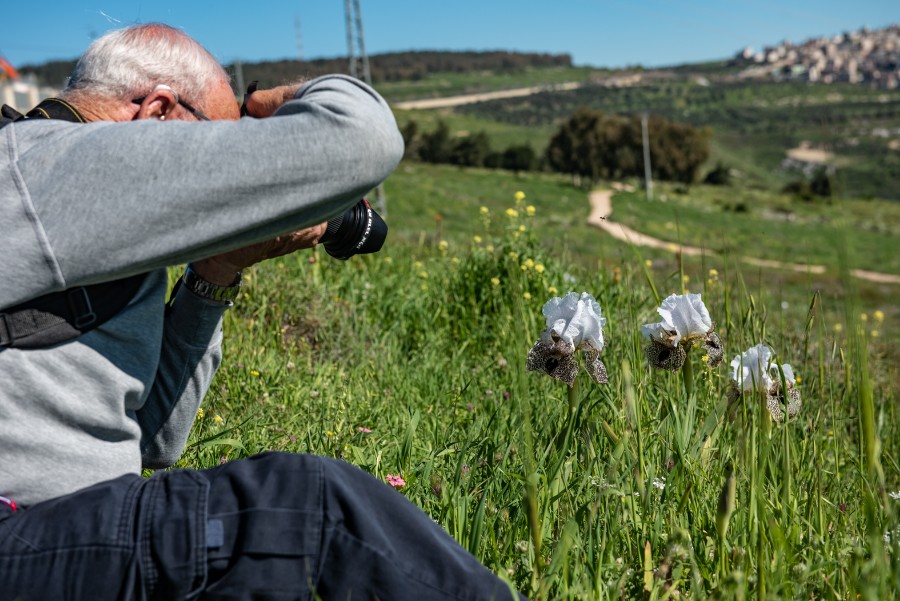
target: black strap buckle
<point>6,333</point>
<point>80,306</point>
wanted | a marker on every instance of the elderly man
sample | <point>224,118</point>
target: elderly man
<point>101,376</point>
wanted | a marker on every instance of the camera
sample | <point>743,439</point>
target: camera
<point>359,231</point>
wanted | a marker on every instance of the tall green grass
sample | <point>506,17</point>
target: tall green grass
<point>412,362</point>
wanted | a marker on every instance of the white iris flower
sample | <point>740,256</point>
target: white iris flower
<point>576,320</point>
<point>574,323</point>
<point>684,318</point>
<point>756,370</point>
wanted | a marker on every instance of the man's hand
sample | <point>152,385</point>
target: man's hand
<point>221,269</point>
<point>262,103</point>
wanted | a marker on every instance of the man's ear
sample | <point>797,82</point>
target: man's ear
<point>158,104</point>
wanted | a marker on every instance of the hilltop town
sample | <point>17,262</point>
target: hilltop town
<point>862,56</point>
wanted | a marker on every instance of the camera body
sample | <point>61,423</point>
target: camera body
<point>358,231</point>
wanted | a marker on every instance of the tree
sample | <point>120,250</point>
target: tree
<point>471,151</point>
<point>591,144</point>
<point>411,141</point>
<point>519,158</point>
<point>436,146</point>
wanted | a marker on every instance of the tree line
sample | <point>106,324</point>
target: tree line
<point>589,145</point>
<point>390,66</point>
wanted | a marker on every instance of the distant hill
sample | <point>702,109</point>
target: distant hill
<point>393,66</point>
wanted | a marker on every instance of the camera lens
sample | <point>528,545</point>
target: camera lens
<point>360,230</point>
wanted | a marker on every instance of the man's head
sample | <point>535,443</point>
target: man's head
<point>162,67</point>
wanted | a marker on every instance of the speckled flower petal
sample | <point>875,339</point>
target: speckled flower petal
<point>714,349</point>
<point>595,367</point>
<point>662,356</point>
<point>556,359</point>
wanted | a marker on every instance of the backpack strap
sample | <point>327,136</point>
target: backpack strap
<point>61,316</point>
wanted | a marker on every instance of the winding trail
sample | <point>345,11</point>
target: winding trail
<point>439,103</point>
<point>601,209</point>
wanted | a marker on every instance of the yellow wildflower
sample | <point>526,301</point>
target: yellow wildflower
<point>522,228</point>
<point>713,274</point>
<point>539,267</point>
<point>477,239</point>
<point>254,373</point>
<point>864,317</point>
<point>797,379</point>
<point>878,315</point>
<point>527,296</point>
<point>685,278</point>
<point>388,260</point>
<point>423,274</point>
<point>495,281</point>
<point>530,210</point>
<point>485,210</point>
<point>838,327</point>
<point>199,412</point>
<point>218,419</point>
<point>875,333</point>
<point>512,213</point>
<point>520,196</point>
<point>443,245</point>
<point>552,290</point>
<point>524,267</point>
<point>455,260</point>
<point>529,263</point>
<point>329,433</point>
<point>704,358</point>
<point>489,248</point>
<point>513,255</point>
<point>648,263</point>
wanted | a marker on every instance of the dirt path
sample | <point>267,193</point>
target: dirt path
<point>439,103</point>
<point>601,208</point>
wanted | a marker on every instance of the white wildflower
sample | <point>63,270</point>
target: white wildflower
<point>573,323</point>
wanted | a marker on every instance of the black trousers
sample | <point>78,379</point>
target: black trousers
<point>273,527</point>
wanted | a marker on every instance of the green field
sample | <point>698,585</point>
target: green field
<point>598,492</point>
<point>439,85</point>
<point>754,125</point>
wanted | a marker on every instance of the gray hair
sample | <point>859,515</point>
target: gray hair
<point>129,62</point>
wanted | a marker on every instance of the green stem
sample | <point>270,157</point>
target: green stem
<point>687,372</point>
<point>573,398</point>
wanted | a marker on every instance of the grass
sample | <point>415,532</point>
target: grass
<point>424,344</point>
<point>438,85</point>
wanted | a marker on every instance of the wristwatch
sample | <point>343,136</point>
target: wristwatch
<point>210,291</point>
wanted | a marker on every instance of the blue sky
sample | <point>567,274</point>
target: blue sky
<point>612,33</point>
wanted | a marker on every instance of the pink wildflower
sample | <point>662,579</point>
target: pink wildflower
<point>395,481</point>
<point>364,430</point>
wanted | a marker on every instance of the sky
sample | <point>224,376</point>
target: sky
<point>611,33</point>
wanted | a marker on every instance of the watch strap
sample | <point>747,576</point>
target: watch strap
<point>210,291</point>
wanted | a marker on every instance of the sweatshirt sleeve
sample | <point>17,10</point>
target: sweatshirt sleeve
<point>191,354</point>
<point>99,201</point>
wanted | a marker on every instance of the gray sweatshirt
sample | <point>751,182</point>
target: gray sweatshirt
<point>86,203</point>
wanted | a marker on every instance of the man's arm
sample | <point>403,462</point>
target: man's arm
<point>191,353</point>
<point>100,201</point>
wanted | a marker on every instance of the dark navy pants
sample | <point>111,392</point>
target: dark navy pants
<point>275,527</point>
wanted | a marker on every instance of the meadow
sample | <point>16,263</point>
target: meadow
<point>411,363</point>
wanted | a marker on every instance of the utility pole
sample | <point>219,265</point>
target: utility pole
<point>356,52</point>
<point>648,178</point>
<point>299,37</point>
<point>239,75</point>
